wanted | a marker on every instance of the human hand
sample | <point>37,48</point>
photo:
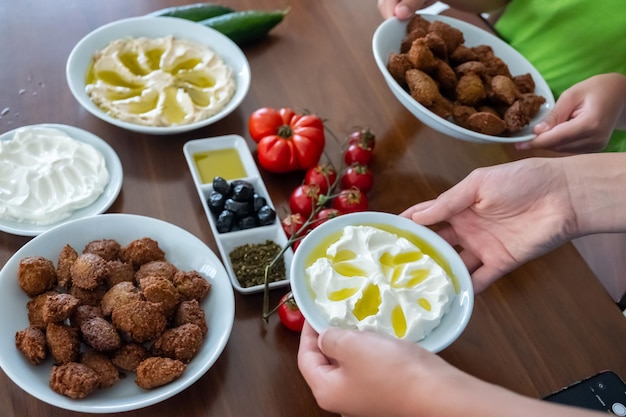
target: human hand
<point>504,216</point>
<point>583,117</point>
<point>402,9</point>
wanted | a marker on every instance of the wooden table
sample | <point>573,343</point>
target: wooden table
<point>546,325</point>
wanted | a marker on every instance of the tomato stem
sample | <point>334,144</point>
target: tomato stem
<point>285,131</point>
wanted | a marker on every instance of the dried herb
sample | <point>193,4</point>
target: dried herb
<point>250,261</point>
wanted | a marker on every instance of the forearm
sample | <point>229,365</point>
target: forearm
<point>597,185</point>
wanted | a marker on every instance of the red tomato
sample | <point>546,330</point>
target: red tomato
<point>359,176</point>
<point>364,137</point>
<point>324,215</point>
<point>286,141</point>
<point>357,154</point>
<point>304,199</point>
<point>289,313</point>
<point>350,201</point>
<point>323,176</point>
<point>292,224</point>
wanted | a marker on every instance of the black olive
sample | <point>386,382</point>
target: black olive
<point>240,208</point>
<point>247,222</point>
<point>216,202</point>
<point>242,191</point>
<point>258,202</point>
<point>225,221</point>
<point>221,185</point>
<point>266,215</point>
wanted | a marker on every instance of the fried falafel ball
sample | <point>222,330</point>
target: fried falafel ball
<point>59,307</point>
<point>163,269</point>
<point>182,342</point>
<point>73,380</point>
<point>119,272</point>
<point>518,116</point>
<point>462,54</point>
<point>398,65</point>
<point>88,271</point>
<point>142,321</point>
<point>191,285</point>
<point>83,313</point>
<point>451,36</point>
<point>119,295</point>
<point>460,114</point>
<point>63,342</point>
<point>156,371</point>
<point>476,67</point>
<point>421,57</point>
<point>411,36</point>
<point>34,307</point>
<point>417,22</point>
<point>89,297</point>
<point>31,341</point>
<point>442,107</point>
<point>100,334</point>
<point>141,251</point>
<point>437,45</point>
<point>487,123</point>
<point>107,249</point>
<point>190,311</point>
<point>503,90</point>
<point>108,373</point>
<point>161,290</point>
<point>422,87</point>
<point>66,259</point>
<point>525,83</point>
<point>36,274</point>
<point>470,89</point>
<point>129,356</point>
<point>446,77</point>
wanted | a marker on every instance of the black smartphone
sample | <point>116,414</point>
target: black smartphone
<point>605,391</point>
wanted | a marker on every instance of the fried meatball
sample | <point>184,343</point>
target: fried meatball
<point>470,89</point>
<point>191,312</point>
<point>107,249</point>
<point>66,259</point>
<point>100,334</point>
<point>163,269</point>
<point>398,65</point>
<point>119,295</point>
<point>88,271</point>
<point>141,251</point>
<point>84,313</point>
<point>155,371</point>
<point>63,342</point>
<point>119,272</point>
<point>59,307</point>
<point>34,306</point>
<point>129,356</point>
<point>191,285</point>
<point>422,87</point>
<point>451,36</point>
<point>161,290</point>
<point>88,297</point>
<point>142,321</point>
<point>73,380</point>
<point>487,123</point>
<point>421,57</point>
<point>36,274</point>
<point>32,343</point>
<point>108,374</point>
<point>503,90</point>
<point>182,342</point>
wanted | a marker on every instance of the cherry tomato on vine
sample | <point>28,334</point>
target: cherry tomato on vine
<point>359,176</point>
<point>286,141</point>
<point>292,224</point>
<point>304,199</point>
<point>357,154</point>
<point>350,201</point>
<point>289,313</point>
<point>325,214</point>
<point>321,175</point>
<point>363,136</point>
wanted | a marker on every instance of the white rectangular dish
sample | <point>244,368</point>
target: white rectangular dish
<point>224,148</point>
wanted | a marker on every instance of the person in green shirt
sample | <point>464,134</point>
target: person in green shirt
<point>568,41</point>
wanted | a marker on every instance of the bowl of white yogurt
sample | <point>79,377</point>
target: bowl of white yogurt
<point>158,75</point>
<point>381,272</point>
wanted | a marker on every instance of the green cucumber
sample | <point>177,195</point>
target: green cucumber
<point>194,12</point>
<point>246,26</point>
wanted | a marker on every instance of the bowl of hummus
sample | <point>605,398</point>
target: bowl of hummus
<point>380,272</point>
<point>158,75</point>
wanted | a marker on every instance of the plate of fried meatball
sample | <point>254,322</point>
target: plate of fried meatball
<point>112,313</point>
<point>460,79</point>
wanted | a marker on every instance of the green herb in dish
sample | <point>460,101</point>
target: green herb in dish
<point>250,261</point>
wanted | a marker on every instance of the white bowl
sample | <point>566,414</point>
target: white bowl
<point>227,242</point>
<point>155,27</point>
<point>387,39</point>
<point>181,248</point>
<point>452,324</point>
<point>106,199</point>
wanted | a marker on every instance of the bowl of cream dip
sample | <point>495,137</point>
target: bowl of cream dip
<point>158,75</point>
<point>381,272</point>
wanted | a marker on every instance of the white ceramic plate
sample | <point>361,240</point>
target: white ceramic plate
<point>181,248</point>
<point>387,39</point>
<point>452,324</point>
<point>155,27</point>
<point>105,200</point>
<point>226,242</point>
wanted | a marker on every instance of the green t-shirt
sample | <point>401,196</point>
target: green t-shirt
<point>569,41</point>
